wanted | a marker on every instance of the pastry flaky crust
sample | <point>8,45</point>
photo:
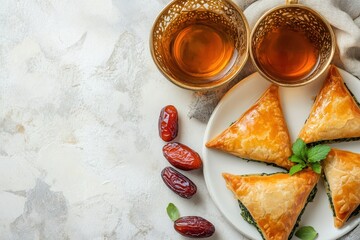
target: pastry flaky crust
<point>259,134</point>
<point>274,201</point>
<point>334,115</point>
<point>342,172</point>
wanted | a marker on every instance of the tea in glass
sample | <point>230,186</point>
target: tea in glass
<point>292,45</point>
<point>203,50</point>
<point>200,45</point>
<point>287,54</point>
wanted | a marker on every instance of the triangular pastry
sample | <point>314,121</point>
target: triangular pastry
<point>335,114</point>
<point>273,203</point>
<point>342,180</point>
<point>259,134</point>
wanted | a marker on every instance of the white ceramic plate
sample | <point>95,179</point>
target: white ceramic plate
<point>296,104</point>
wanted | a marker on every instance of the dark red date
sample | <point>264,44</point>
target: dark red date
<point>178,183</point>
<point>168,123</point>
<point>194,227</point>
<point>181,156</point>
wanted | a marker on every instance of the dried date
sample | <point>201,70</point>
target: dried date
<point>194,227</point>
<point>181,156</point>
<point>168,123</point>
<point>178,182</point>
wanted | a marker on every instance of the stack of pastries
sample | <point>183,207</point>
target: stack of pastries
<point>273,203</point>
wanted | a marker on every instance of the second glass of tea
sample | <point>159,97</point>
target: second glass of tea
<point>292,45</point>
<point>200,44</point>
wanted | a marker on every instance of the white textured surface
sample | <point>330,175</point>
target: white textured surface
<point>80,156</point>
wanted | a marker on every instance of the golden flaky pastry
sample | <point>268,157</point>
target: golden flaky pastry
<point>274,201</point>
<point>334,115</point>
<point>259,134</point>
<point>342,172</point>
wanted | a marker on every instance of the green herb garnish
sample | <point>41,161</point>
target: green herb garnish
<point>173,212</point>
<point>307,157</point>
<point>306,233</point>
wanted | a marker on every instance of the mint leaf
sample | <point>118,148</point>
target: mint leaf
<point>296,159</point>
<point>316,167</point>
<point>306,233</point>
<point>295,169</point>
<point>307,157</point>
<point>299,148</point>
<point>173,212</point>
<point>318,153</point>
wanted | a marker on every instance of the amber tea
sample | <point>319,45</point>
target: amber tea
<point>202,48</point>
<point>287,54</point>
<point>200,45</point>
<point>292,45</point>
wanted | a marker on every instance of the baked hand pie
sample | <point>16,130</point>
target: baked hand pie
<point>335,115</point>
<point>342,181</point>
<point>273,203</point>
<point>259,134</point>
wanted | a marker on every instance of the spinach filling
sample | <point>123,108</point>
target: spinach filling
<point>333,141</point>
<point>354,213</point>
<point>328,193</point>
<point>248,218</point>
<point>269,164</point>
